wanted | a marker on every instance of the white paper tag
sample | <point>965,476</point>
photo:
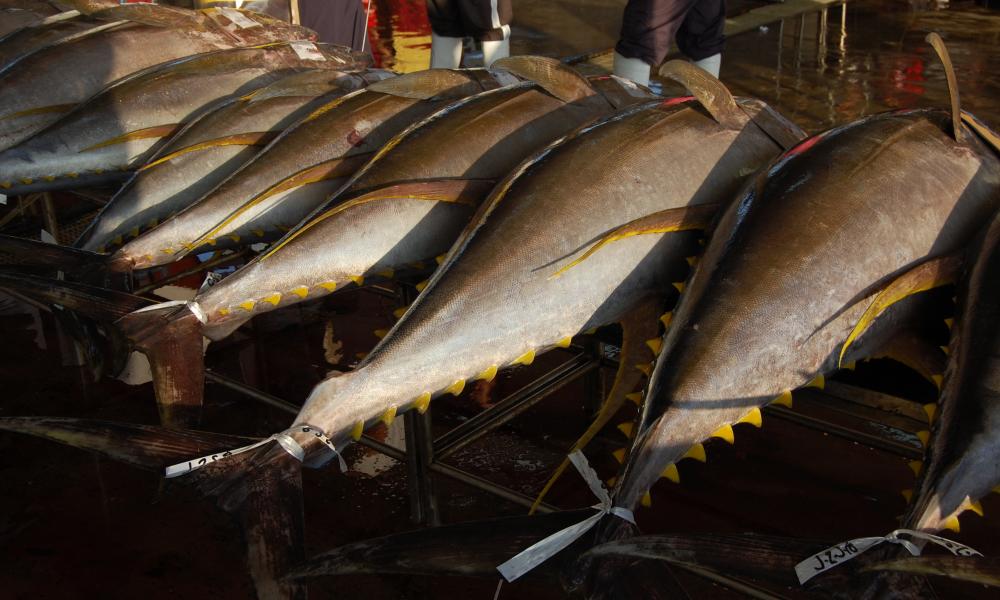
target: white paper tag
<point>841,553</point>
<point>3,199</point>
<point>239,19</point>
<point>307,50</point>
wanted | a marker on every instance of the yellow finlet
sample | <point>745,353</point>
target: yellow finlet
<point>274,299</point>
<point>647,500</point>
<point>422,402</point>
<point>924,437</point>
<point>655,344</point>
<point>753,417</point>
<point>946,350</point>
<point>360,355</point>
<point>951,523</point>
<point>634,397</point>
<point>784,399</point>
<point>691,260</point>
<point>931,410</point>
<point>696,452</point>
<point>153,222</point>
<point>455,388</point>
<point>357,279</point>
<point>975,507</point>
<point>381,333</point>
<point>223,312</point>
<point>388,273</point>
<point>938,380</point>
<point>27,180</point>
<point>818,382</point>
<point>301,291</point>
<point>645,368</point>
<point>359,428</point>
<point>439,259</point>
<point>134,232</point>
<point>233,236</point>
<point>247,305</point>
<point>850,366</point>
<point>680,285</point>
<point>328,285</point>
<point>564,343</point>
<point>389,415</point>
<point>619,455</point>
<point>258,232</point>
<point>525,359</point>
<point>666,318</point>
<point>398,313</point>
<point>49,177</point>
<point>488,374</point>
<point>916,466</point>
<point>117,241</point>
<point>626,428</point>
<point>611,482</point>
<point>950,323</point>
<point>420,286</point>
<point>725,433</point>
<point>671,473</point>
<point>907,495</point>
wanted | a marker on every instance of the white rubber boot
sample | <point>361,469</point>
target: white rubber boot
<point>712,64</point>
<point>496,50</point>
<point>632,68</point>
<point>446,52</point>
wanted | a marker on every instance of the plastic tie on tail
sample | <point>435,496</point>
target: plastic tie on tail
<point>284,439</point>
<point>541,551</point>
<point>841,553</point>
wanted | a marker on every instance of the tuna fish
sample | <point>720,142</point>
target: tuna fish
<point>154,34</point>
<point>211,148</point>
<point>875,208</point>
<point>316,156</point>
<point>22,42</point>
<point>118,128</point>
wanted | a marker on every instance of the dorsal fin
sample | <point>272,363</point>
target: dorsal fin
<point>422,85</point>
<point>552,75</point>
<point>709,91</point>
<point>949,72</point>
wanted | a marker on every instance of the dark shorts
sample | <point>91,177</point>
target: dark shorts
<point>649,26</point>
<point>484,20</point>
<point>336,21</point>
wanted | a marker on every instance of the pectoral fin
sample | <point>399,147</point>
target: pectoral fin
<point>988,135</point>
<point>685,218</point>
<point>552,75</point>
<point>709,91</point>
<point>928,275</point>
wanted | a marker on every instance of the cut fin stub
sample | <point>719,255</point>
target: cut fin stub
<point>949,71</point>
<point>709,91</point>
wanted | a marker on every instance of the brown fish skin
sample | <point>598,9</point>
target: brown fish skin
<point>334,141</point>
<point>962,462</point>
<point>210,149</point>
<point>118,128</point>
<point>848,209</point>
<point>155,34</point>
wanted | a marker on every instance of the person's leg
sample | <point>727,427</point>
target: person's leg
<point>701,36</point>
<point>489,22</point>
<point>446,33</point>
<point>648,28</point>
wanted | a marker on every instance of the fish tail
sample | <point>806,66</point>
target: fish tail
<point>261,489</point>
<point>63,262</point>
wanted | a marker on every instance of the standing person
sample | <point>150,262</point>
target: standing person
<point>649,27</point>
<point>340,22</point>
<point>451,20</point>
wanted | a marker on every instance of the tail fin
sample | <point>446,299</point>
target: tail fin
<point>266,499</point>
<point>169,334</point>
<point>73,263</point>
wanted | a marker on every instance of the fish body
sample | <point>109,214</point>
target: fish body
<point>793,265</point>
<point>116,129</point>
<point>497,299</point>
<point>31,99</point>
<point>963,457</point>
<point>22,42</point>
<point>409,203</point>
<point>315,157</point>
<point>211,148</point>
